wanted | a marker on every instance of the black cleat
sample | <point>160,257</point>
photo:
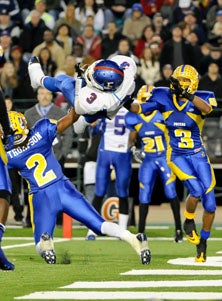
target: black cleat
<point>33,60</point>
<point>178,236</point>
<point>191,232</point>
<point>201,251</point>
<point>4,263</point>
<point>47,248</point>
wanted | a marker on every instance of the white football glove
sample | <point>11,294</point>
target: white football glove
<point>138,154</point>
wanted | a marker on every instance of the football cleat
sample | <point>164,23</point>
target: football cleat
<point>140,245</point>
<point>4,263</point>
<point>201,251</point>
<point>35,72</point>
<point>178,236</point>
<point>191,232</point>
<point>47,248</point>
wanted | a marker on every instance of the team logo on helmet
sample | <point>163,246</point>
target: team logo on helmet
<point>19,125</point>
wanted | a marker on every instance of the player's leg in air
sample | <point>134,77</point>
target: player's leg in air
<point>75,205</point>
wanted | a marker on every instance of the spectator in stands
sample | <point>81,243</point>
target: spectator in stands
<point>90,8</point>
<point>212,80</point>
<point>175,51</point>
<point>49,67</point>
<point>166,11</point>
<point>7,24</point>
<point>110,41</point>
<point>69,66</point>
<point>77,51</point>
<point>166,73</point>
<point>6,43</point>
<point>57,51</point>
<point>213,14</point>
<point>17,200</point>
<point>9,79</point>
<point>149,69</point>
<point>151,7</point>
<point>24,89</point>
<point>193,39</point>
<point>133,26</point>
<point>69,19</point>
<point>53,7</point>
<point>91,42</point>
<point>214,56</point>
<point>40,6</point>
<point>144,41</point>
<point>191,21</point>
<point>160,28</point>
<point>180,11</point>
<point>32,34</point>
<point>63,37</point>
<point>13,8</point>
<point>45,108</point>
<point>215,35</point>
<point>25,7</point>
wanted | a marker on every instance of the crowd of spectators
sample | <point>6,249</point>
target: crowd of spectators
<point>159,35</point>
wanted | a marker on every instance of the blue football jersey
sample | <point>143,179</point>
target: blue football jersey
<point>36,161</point>
<point>151,129</point>
<point>183,120</point>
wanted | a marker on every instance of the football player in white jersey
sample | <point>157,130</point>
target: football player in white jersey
<point>113,152</point>
<point>103,88</point>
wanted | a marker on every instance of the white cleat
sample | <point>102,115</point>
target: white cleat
<point>35,72</point>
<point>47,248</point>
<point>140,245</point>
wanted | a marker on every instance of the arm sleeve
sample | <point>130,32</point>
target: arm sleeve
<point>4,115</point>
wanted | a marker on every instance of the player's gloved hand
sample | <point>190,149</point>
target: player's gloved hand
<point>138,155</point>
<point>94,117</point>
<point>178,90</point>
<point>8,140</point>
<point>127,102</point>
<point>80,69</point>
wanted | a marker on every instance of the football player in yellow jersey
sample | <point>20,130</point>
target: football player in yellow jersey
<point>184,109</point>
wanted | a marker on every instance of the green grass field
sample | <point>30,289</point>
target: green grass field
<point>105,262</point>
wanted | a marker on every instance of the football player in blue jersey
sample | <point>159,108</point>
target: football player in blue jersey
<point>184,109</point>
<point>5,183</point>
<point>151,130</point>
<point>50,192</point>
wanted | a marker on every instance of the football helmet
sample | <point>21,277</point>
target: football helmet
<point>188,72</point>
<point>144,93</point>
<point>104,75</point>
<point>18,124</point>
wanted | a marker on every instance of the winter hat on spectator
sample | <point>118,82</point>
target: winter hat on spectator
<point>137,6</point>
<point>4,11</point>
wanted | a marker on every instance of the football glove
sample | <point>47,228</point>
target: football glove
<point>128,100</point>
<point>177,89</point>
<point>8,140</point>
<point>138,155</point>
<point>80,70</point>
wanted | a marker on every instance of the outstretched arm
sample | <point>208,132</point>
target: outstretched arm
<point>67,120</point>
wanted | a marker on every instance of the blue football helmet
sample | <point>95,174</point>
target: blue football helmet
<point>104,75</point>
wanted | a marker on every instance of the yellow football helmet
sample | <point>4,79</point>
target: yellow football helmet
<point>144,93</point>
<point>19,124</point>
<point>190,73</point>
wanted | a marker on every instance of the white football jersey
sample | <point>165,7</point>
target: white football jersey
<point>89,100</point>
<point>116,135</point>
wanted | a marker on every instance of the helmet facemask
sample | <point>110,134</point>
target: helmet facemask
<point>18,123</point>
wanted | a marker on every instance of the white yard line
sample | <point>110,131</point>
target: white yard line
<point>83,295</point>
<point>173,272</point>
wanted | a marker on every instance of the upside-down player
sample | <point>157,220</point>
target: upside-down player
<point>184,110</point>
<point>104,87</point>
<point>151,130</point>
<point>51,192</point>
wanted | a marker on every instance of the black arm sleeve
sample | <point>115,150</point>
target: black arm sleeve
<point>4,115</point>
